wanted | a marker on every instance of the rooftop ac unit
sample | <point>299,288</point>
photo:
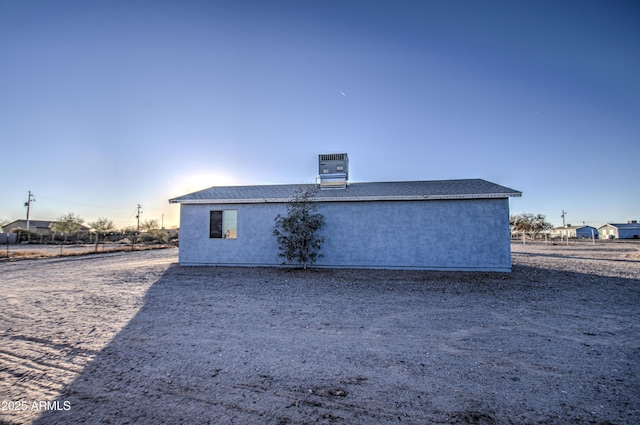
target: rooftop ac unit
<point>333,170</point>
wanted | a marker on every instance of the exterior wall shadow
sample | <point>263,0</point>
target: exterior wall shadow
<point>263,345</point>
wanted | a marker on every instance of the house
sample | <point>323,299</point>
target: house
<point>39,227</point>
<point>628,230</point>
<point>569,231</point>
<point>439,225</point>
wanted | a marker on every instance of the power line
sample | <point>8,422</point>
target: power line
<point>63,201</point>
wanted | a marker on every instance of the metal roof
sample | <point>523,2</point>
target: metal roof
<point>34,223</point>
<point>626,226</point>
<point>372,191</point>
<point>569,227</point>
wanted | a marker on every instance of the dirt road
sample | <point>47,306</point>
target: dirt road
<point>133,338</point>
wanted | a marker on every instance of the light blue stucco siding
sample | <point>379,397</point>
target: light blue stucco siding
<point>255,244</point>
<point>436,234</point>
<point>443,234</point>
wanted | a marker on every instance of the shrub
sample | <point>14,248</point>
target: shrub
<point>297,232</point>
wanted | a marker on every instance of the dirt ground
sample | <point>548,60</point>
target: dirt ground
<point>133,338</point>
<point>51,250</point>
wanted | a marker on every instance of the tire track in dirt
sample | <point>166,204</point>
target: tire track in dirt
<point>55,319</point>
<point>550,343</point>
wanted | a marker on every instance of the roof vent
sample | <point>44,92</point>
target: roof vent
<point>333,169</point>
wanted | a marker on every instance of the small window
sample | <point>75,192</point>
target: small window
<point>223,224</point>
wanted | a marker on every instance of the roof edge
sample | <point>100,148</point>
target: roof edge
<point>349,199</point>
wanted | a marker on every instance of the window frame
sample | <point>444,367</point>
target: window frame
<point>221,223</point>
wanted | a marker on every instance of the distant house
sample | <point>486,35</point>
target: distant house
<point>575,232</point>
<point>441,225</point>
<point>40,227</point>
<point>628,230</point>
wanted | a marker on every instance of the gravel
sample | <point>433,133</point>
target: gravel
<point>134,338</point>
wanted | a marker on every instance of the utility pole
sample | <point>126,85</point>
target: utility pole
<point>28,205</point>
<point>138,216</point>
<point>563,214</point>
<point>139,211</point>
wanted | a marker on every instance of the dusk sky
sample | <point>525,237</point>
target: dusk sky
<point>106,105</point>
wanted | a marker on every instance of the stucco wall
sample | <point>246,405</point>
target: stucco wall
<point>443,234</point>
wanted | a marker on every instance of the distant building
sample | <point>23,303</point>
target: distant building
<point>628,230</point>
<point>575,232</point>
<point>442,225</point>
<point>40,227</point>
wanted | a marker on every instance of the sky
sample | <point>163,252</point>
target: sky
<point>105,105</point>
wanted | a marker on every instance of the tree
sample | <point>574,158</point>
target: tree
<point>102,225</point>
<point>67,224</point>
<point>128,230</point>
<point>152,231</point>
<point>149,225</point>
<point>533,224</point>
<point>3,222</point>
<point>297,232</point>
